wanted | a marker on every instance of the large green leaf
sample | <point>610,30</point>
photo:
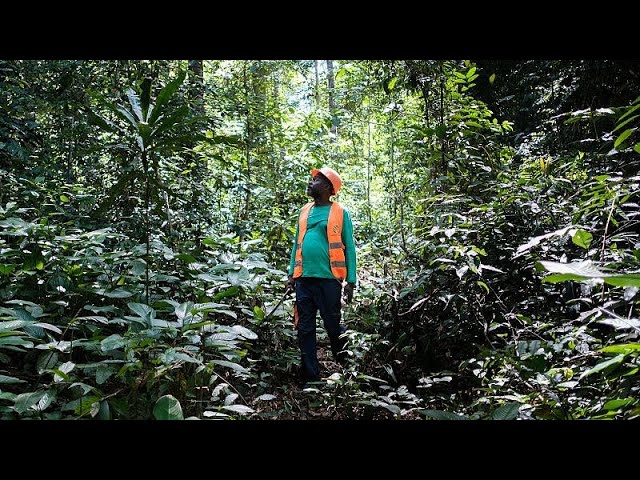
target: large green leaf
<point>396,410</point>
<point>165,95</point>
<point>266,397</point>
<point>94,119</point>
<point>11,333</point>
<point>624,280</point>
<point>442,415</point>
<point>508,411</point>
<point>184,309</point>
<point>105,308</point>
<point>14,341</point>
<point>186,258</point>
<point>104,413</point>
<point>240,277</point>
<point>618,403</point>
<point>126,115</point>
<point>13,324</point>
<point>229,292</point>
<point>245,332</point>
<point>117,293</point>
<point>25,401</point>
<point>89,405</point>
<point>22,302</point>
<point>112,342</point>
<point>166,123</point>
<point>623,136</point>
<point>585,270</point>
<point>6,268</point>
<point>582,270</point>
<point>145,97</point>
<point>134,101</point>
<point>234,366</point>
<point>144,311</point>
<point>629,112</point>
<point>168,408</point>
<point>241,409</point>
<point>612,362</point>
<point>7,379</point>
<point>522,249</point>
<point>624,348</point>
<point>208,307</point>
<point>103,372</point>
<point>620,323</point>
<point>171,356</point>
<point>48,326</point>
<point>582,238</point>
<point>628,120</point>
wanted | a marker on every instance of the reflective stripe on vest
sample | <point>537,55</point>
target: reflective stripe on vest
<point>334,236</point>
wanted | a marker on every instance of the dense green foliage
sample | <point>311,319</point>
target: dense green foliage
<point>147,210</point>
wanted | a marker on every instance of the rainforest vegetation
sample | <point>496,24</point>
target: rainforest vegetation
<point>147,215</point>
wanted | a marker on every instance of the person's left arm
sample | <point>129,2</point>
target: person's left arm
<point>349,254</point>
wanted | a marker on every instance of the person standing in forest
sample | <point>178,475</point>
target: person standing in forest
<point>323,263</point>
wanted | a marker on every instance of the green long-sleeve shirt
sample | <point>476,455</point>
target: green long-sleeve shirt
<point>315,246</point>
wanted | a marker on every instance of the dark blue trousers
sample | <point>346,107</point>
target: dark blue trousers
<point>313,295</point>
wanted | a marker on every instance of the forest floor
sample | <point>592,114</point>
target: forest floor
<point>296,401</point>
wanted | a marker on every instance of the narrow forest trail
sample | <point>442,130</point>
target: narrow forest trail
<point>326,398</point>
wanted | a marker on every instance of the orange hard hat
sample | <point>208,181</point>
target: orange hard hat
<point>331,175</point>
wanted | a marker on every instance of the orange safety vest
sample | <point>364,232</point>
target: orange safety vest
<point>334,236</point>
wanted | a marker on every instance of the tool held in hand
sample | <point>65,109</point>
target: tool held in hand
<point>286,292</point>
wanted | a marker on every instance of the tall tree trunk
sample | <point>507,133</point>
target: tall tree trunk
<point>443,147</point>
<point>279,157</point>
<point>394,195</point>
<point>332,102</point>
<point>317,86</point>
<point>196,80</point>
<point>70,143</point>
<point>369,167</point>
<point>196,92</point>
<point>425,96</point>
<point>368,147</point>
<point>248,143</point>
<point>145,166</point>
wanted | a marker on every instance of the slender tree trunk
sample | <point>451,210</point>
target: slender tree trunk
<point>404,243</point>
<point>368,147</point>
<point>317,86</point>
<point>279,157</point>
<point>369,166</point>
<point>442,125</point>
<point>196,78</point>
<point>393,171</point>
<point>70,144</point>
<point>425,96</point>
<point>245,213</point>
<point>145,166</point>
<point>332,103</point>
<point>196,92</point>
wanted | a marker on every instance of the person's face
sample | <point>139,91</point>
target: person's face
<point>317,185</point>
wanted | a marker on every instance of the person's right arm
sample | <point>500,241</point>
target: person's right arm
<point>292,260</point>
